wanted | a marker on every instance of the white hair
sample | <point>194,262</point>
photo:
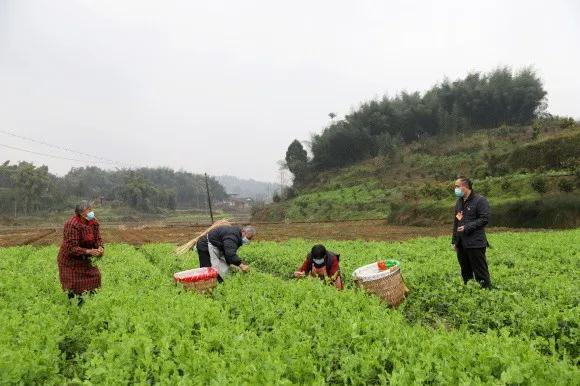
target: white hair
<point>82,206</point>
<point>249,230</point>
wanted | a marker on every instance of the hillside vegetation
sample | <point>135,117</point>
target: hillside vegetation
<point>529,173</point>
<point>29,191</point>
<point>396,158</point>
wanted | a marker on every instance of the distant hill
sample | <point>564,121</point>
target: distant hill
<point>258,190</point>
<point>531,175</point>
<point>396,158</point>
<point>30,190</point>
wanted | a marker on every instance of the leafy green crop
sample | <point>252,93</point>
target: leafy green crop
<point>536,295</point>
<point>262,328</point>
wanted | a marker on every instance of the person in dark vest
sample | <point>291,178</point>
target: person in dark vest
<point>469,240</point>
<point>81,242</point>
<point>322,264</point>
<point>219,248</point>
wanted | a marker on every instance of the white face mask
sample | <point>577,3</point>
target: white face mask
<point>245,240</point>
<point>318,261</point>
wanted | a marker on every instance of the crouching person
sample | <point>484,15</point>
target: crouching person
<point>219,248</point>
<point>322,264</point>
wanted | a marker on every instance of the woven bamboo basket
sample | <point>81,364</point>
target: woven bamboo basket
<point>387,284</point>
<point>201,280</point>
<point>201,287</point>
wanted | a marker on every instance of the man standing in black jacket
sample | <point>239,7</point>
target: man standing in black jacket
<point>469,240</point>
<point>219,248</point>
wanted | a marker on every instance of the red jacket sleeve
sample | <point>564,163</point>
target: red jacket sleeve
<point>334,269</point>
<point>72,240</point>
<point>306,266</point>
<point>334,274</point>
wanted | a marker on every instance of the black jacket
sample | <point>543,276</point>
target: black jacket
<point>227,238</point>
<point>475,217</point>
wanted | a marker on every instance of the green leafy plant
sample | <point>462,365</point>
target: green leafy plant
<point>264,328</point>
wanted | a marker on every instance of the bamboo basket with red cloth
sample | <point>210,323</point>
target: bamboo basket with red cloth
<point>202,280</point>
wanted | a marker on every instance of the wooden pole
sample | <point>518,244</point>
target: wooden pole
<point>208,198</point>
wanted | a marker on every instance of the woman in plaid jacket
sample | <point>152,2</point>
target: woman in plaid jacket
<point>81,241</point>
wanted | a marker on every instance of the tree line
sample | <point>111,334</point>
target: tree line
<point>27,189</point>
<point>379,127</point>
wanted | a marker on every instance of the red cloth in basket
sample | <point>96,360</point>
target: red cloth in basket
<point>195,275</point>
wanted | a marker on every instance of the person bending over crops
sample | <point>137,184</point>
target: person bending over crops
<point>219,248</point>
<point>322,264</point>
<point>81,242</point>
<point>469,240</point>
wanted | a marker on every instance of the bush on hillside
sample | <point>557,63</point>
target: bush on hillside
<point>506,184</point>
<point>289,193</point>
<point>538,183</point>
<point>537,129</point>
<point>496,165</point>
<point>559,211</point>
<point>483,187</point>
<point>565,186</point>
<point>432,191</point>
<point>551,153</point>
<point>566,123</point>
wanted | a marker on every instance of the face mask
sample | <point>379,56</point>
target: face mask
<point>245,240</point>
<point>318,261</point>
<point>458,192</point>
<point>89,216</point>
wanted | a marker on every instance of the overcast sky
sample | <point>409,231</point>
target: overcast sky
<point>225,86</point>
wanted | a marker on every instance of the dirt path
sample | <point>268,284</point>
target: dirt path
<point>180,233</point>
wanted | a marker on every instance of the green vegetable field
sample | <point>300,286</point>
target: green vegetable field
<point>265,328</point>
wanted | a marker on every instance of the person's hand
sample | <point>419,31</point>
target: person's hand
<point>454,247</point>
<point>93,252</point>
<point>299,274</point>
<point>461,229</point>
<point>244,267</point>
<point>459,216</point>
<point>101,251</point>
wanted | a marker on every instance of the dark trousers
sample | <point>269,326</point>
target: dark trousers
<point>79,297</point>
<point>204,260</point>
<point>473,265</point>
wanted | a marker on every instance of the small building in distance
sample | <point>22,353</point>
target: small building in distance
<point>235,203</point>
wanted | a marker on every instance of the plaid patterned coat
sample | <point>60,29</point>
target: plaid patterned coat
<point>77,274</point>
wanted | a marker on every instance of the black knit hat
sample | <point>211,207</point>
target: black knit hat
<point>318,251</point>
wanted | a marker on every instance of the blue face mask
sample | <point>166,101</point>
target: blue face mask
<point>245,240</point>
<point>90,216</point>
<point>458,192</point>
